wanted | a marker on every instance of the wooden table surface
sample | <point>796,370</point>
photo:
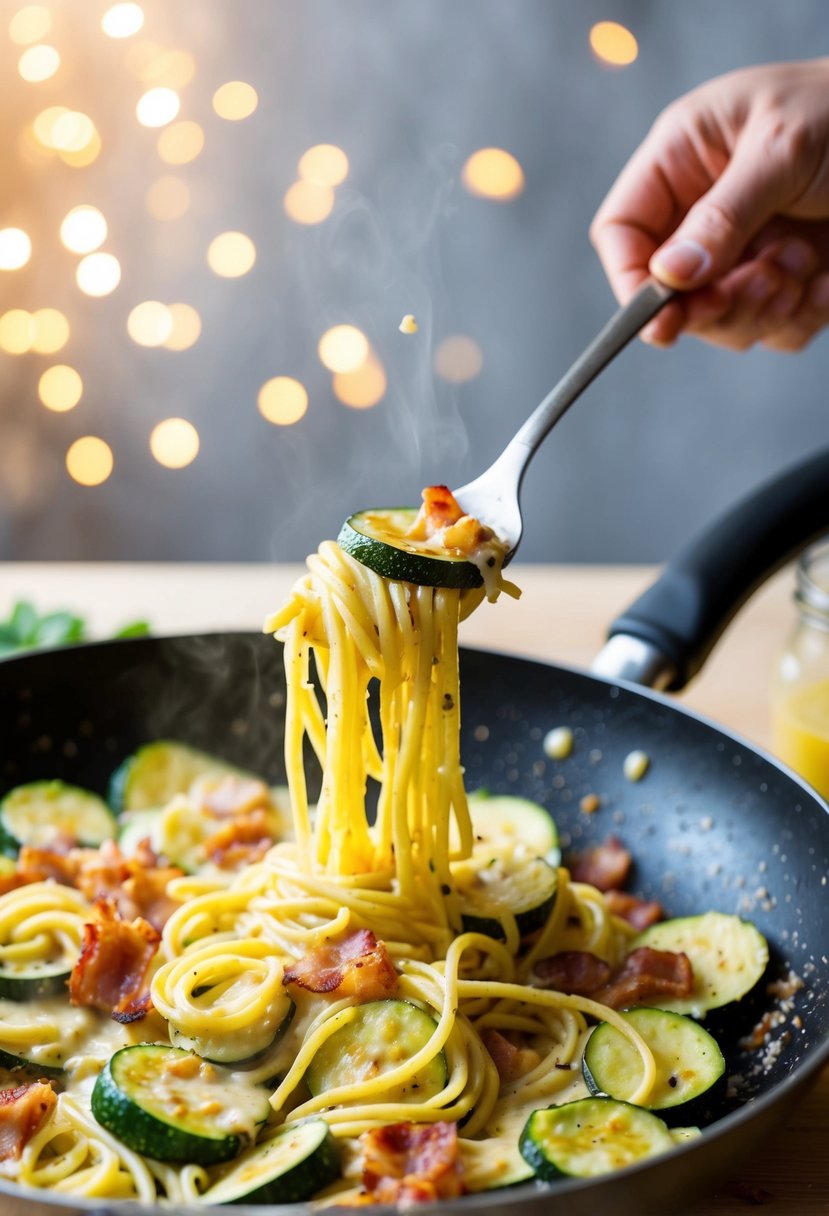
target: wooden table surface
<point>562,616</point>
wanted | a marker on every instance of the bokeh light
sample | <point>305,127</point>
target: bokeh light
<point>98,274</point>
<point>150,323</point>
<point>325,164</point>
<point>181,142</point>
<point>89,461</point>
<point>60,388</point>
<point>308,202</point>
<point>174,443</point>
<point>613,43</point>
<point>51,331</point>
<point>78,159</point>
<point>458,358</point>
<point>122,20</point>
<point>17,331</point>
<point>30,24</point>
<point>186,327</point>
<point>172,69</point>
<point>231,254</point>
<point>364,387</point>
<point>38,63</point>
<point>71,131</point>
<point>282,400</point>
<point>168,198</point>
<point>15,248</point>
<point>83,229</point>
<point>343,348</point>
<point>157,107</point>
<point>235,100</point>
<point>493,173</point>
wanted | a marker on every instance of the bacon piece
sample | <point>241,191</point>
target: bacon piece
<point>356,966</point>
<point>605,866</point>
<point>136,891</point>
<point>111,972</point>
<point>40,864</point>
<point>468,534</point>
<point>510,1061</point>
<point>637,912</point>
<point>240,841</point>
<point>646,974</point>
<point>577,972</point>
<point>410,1163</point>
<point>439,510</point>
<point>22,1112</point>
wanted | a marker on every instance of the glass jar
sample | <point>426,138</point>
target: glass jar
<point>800,693</point>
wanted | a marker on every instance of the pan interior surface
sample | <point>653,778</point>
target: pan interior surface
<point>713,825</point>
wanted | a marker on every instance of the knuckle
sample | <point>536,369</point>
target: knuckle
<point>718,217</point>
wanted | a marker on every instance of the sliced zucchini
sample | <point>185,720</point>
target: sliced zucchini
<point>728,956</point>
<point>688,1060</point>
<point>589,1137</point>
<point>168,1104</point>
<point>30,981</point>
<point>522,886</point>
<point>381,1036</point>
<point>291,1166</point>
<point>13,1063</point>
<point>378,538</point>
<point>504,819</point>
<point>240,1046</point>
<point>157,772</point>
<point>41,812</point>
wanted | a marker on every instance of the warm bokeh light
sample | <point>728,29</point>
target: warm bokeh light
<point>38,63</point>
<point>51,331</point>
<point>83,229</point>
<point>44,124</point>
<point>613,43</point>
<point>172,69</point>
<point>343,348</point>
<point>308,202</point>
<point>325,164</point>
<point>186,327</point>
<point>493,173</point>
<point>71,131</point>
<point>17,330</point>
<point>282,400</point>
<point>180,143</point>
<point>235,100</point>
<point>60,388</point>
<point>15,248</point>
<point>231,254</point>
<point>98,274</point>
<point>122,20</point>
<point>175,443</point>
<point>157,107</point>
<point>458,358</point>
<point>150,323</point>
<point>83,156</point>
<point>363,388</point>
<point>168,198</point>
<point>89,461</point>
<point>30,24</point>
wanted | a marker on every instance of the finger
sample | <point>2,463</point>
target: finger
<point>749,290</point>
<point>792,255</point>
<point>806,322</point>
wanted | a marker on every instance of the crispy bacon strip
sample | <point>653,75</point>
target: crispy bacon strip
<point>356,966</point>
<point>605,866</point>
<point>111,973</point>
<point>573,971</point>
<point>637,912</point>
<point>410,1163</point>
<point>647,974</point>
<point>439,510</point>
<point>510,1061</point>
<point>240,841</point>
<point>22,1112</point>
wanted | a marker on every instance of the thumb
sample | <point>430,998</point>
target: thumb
<point>752,188</point>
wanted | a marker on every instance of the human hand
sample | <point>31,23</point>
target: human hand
<point>727,200</point>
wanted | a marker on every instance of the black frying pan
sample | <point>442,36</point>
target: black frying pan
<point>714,825</point>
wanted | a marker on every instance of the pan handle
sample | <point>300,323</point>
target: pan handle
<point>664,638</point>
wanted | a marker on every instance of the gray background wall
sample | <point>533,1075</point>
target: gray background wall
<point>408,89</point>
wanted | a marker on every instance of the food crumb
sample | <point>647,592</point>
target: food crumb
<point>589,804</point>
<point>408,325</point>
<point>558,743</point>
<point>636,764</point>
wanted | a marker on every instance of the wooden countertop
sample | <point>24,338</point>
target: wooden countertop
<point>562,616</point>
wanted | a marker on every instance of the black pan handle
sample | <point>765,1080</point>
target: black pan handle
<point>667,634</point>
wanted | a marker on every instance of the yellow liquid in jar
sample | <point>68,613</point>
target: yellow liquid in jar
<point>800,726</point>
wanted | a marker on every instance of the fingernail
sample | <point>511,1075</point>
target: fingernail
<point>795,256</point>
<point>681,263</point>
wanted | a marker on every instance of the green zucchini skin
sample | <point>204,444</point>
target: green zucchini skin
<point>396,561</point>
<point>141,1122</point>
<point>45,979</point>
<point>689,1063</point>
<point>590,1137</point>
<point>39,812</point>
<point>31,1068</point>
<point>292,1166</point>
<point>156,772</point>
<point>500,817</point>
<point>526,888</point>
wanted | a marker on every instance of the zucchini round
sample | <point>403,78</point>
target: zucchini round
<point>378,539</point>
<point>240,1046</point>
<point>524,887</point>
<point>168,1104</point>
<point>290,1167</point>
<point>589,1137</point>
<point>13,1063</point>
<point>503,819</point>
<point>33,980</point>
<point>41,812</point>
<point>381,1036</point>
<point>157,772</point>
